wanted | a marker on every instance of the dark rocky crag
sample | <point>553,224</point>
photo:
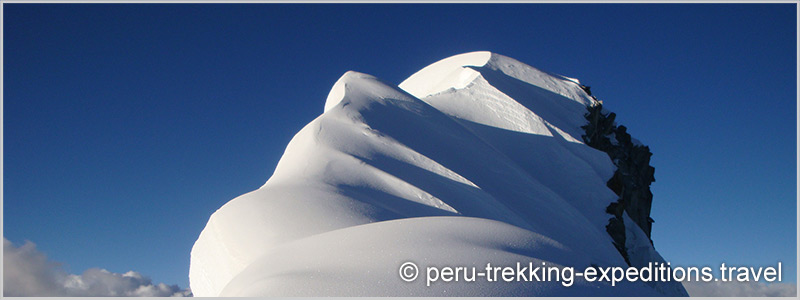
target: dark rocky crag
<point>632,179</point>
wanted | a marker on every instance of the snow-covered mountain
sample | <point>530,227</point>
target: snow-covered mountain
<point>475,159</point>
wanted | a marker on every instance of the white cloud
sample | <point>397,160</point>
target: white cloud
<point>27,272</point>
<point>740,289</point>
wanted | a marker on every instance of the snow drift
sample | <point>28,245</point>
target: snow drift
<point>475,159</point>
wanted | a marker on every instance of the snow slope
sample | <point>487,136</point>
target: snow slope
<point>476,158</point>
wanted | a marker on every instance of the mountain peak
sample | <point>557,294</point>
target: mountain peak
<point>451,72</point>
<point>339,90</point>
<point>475,159</point>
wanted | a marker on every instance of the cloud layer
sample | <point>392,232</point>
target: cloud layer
<point>740,289</point>
<point>27,272</point>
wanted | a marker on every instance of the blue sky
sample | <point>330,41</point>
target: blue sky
<point>126,126</point>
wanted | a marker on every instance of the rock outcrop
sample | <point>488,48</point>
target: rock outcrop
<point>632,179</point>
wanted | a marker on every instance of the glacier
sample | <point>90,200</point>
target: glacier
<point>477,158</point>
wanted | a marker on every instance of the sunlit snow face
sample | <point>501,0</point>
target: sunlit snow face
<point>475,159</point>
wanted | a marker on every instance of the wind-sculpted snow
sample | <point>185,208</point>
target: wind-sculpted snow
<point>477,159</point>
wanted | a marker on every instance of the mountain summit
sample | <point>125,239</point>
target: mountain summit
<point>475,159</point>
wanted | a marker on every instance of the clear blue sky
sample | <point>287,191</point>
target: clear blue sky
<point>126,126</point>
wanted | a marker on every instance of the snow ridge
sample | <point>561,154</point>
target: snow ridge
<point>476,158</point>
